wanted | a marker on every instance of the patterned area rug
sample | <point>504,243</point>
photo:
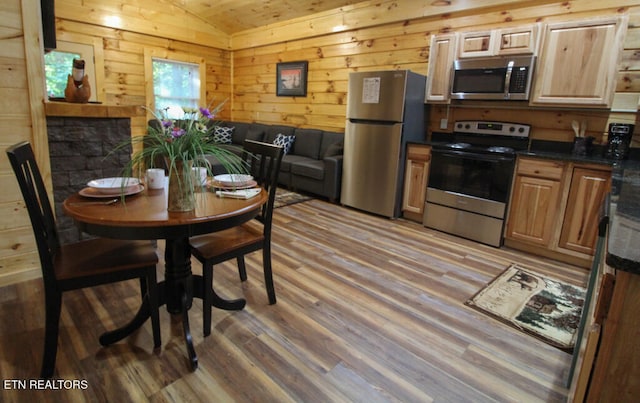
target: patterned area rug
<point>285,197</point>
<point>545,308</point>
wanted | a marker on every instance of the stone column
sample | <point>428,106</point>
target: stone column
<point>81,150</point>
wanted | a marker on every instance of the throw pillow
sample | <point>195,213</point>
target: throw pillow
<point>222,135</point>
<point>284,141</point>
<point>334,149</point>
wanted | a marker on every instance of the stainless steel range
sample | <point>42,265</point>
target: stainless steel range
<point>470,178</point>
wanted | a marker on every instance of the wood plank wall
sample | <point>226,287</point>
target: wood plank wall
<point>405,45</point>
<point>21,119</point>
<point>124,64</point>
<point>124,84</point>
<point>369,40</point>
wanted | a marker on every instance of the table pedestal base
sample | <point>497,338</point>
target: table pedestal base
<point>177,293</point>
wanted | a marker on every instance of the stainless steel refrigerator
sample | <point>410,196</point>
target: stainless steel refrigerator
<point>385,110</point>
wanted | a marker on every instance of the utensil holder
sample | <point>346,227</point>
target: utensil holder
<point>583,146</point>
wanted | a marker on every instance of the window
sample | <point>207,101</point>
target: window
<point>174,80</point>
<point>175,85</point>
<point>58,65</point>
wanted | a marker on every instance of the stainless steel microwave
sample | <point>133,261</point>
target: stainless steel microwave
<point>493,78</point>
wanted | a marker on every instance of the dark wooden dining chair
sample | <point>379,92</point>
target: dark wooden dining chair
<point>264,162</point>
<point>82,264</point>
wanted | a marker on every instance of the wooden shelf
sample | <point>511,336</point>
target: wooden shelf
<point>66,109</point>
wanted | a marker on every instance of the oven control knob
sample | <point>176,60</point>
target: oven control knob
<point>467,126</point>
<point>521,130</point>
<point>459,125</point>
<point>512,129</point>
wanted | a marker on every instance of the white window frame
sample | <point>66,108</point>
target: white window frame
<point>151,54</point>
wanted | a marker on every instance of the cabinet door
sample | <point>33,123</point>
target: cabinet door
<point>476,44</point>
<point>533,210</point>
<point>416,176</point>
<point>521,40</point>
<point>578,63</point>
<point>441,54</point>
<point>586,194</point>
<point>535,201</point>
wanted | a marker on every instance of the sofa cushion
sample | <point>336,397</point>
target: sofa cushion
<point>256,132</point>
<point>334,149</point>
<point>288,160</point>
<point>285,142</point>
<point>309,168</point>
<point>222,135</point>
<point>240,130</point>
<point>329,138</point>
<point>307,142</point>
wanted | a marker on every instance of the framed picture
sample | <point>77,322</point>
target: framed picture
<point>291,79</point>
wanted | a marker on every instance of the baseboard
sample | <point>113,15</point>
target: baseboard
<point>540,251</point>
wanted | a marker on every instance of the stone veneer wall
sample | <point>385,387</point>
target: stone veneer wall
<point>79,151</point>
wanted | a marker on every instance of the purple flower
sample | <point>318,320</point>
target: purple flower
<point>205,112</point>
<point>177,132</point>
<point>166,123</point>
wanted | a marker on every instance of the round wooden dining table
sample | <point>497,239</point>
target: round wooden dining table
<point>145,216</point>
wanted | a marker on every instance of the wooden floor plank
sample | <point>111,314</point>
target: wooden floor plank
<point>369,309</point>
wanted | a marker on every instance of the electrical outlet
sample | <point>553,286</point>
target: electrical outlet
<point>444,123</point>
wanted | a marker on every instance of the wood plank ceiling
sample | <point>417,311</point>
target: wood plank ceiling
<point>232,16</point>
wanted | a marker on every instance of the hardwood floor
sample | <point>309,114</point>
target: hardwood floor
<point>369,310</point>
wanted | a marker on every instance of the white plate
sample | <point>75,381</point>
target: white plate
<point>94,193</point>
<point>114,185</point>
<point>233,179</point>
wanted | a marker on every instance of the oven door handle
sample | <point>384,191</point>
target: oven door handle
<point>475,156</point>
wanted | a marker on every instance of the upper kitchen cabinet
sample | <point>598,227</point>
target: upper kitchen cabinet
<point>476,44</point>
<point>441,55</point>
<point>504,41</point>
<point>578,63</point>
<point>518,40</point>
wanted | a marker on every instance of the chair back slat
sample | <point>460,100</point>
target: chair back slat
<point>264,160</point>
<point>36,199</point>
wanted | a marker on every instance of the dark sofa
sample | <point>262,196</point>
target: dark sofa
<point>313,164</point>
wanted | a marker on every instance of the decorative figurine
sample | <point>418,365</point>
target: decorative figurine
<point>78,89</point>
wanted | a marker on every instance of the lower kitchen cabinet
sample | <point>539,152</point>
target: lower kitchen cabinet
<point>535,201</point>
<point>588,189</point>
<point>415,181</point>
<point>554,208</point>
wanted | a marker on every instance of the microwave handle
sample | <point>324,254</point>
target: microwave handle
<point>507,79</point>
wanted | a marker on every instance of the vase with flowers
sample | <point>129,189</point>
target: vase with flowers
<point>181,144</point>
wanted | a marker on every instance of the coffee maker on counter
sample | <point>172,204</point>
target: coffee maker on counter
<point>619,140</point>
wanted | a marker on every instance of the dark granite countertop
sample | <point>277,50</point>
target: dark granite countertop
<point>623,249</point>
<point>567,157</point>
<point>563,151</point>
